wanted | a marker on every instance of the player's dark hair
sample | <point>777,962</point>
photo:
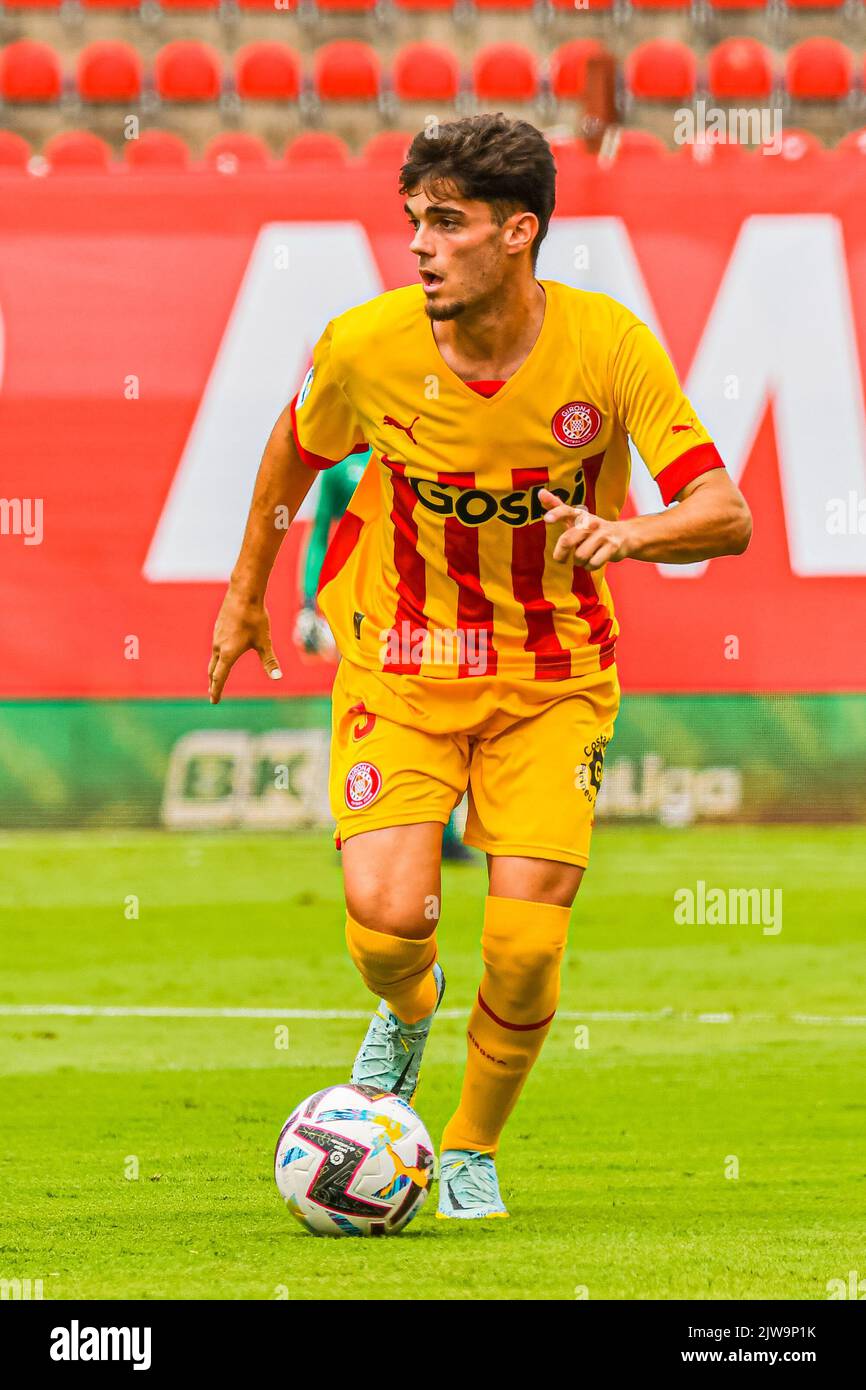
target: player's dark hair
<point>506,163</point>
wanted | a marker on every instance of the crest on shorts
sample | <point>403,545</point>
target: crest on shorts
<point>576,424</point>
<point>363,785</point>
<point>588,775</point>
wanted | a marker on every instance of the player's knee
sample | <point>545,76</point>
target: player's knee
<point>536,880</point>
<point>525,969</point>
<point>392,879</point>
<point>387,907</point>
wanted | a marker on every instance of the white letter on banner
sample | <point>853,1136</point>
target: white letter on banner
<point>274,324</point>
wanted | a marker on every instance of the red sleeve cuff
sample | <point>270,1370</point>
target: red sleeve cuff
<point>317,461</point>
<point>703,458</point>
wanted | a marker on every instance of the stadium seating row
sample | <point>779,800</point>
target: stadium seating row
<point>343,7</point>
<point>80,150</point>
<point>112,71</point>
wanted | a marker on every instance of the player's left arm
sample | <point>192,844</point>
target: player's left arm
<point>711,518</point>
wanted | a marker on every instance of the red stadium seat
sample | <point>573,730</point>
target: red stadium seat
<point>30,72</point>
<point>796,145</point>
<point>710,154</point>
<point>425,72</point>
<point>109,71</point>
<point>853,143</point>
<point>317,147</point>
<point>505,72</point>
<point>14,151</point>
<point>634,144</point>
<point>32,4</point>
<point>175,6</point>
<point>111,4</point>
<point>387,150</point>
<point>819,70</point>
<point>268,71</point>
<point>740,68</point>
<point>661,70</point>
<point>187,70</point>
<point>571,158</point>
<point>347,70</point>
<point>725,5</point>
<point>504,4</point>
<point>76,151</point>
<point>236,149</point>
<point>345,6</point>
<point>285,5</point>
<point>661,4</point>
<point>420,5</point>
<point>568,147</point>
<point>591,7</point>
<point>568,67</point>
<point>157,149</point>
<point>815,4</point>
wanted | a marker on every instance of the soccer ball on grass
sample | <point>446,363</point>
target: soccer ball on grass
<point>354,1161</point>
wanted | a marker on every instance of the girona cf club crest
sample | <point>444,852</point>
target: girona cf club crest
<point>576,424</point>
<point>588,775</point>
<point>363,785</point>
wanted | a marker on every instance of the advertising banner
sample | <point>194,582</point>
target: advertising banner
<point>152,328</point>
<point>262,764</point>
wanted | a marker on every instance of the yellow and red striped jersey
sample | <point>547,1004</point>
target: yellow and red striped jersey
<point>442,566</point>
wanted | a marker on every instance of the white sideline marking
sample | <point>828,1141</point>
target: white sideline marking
<point>315,1015</point>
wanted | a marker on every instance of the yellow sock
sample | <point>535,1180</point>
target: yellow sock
<point>398,968</point>
<point>521,945</point>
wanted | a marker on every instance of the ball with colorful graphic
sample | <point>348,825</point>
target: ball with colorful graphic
<point>354,1161</point>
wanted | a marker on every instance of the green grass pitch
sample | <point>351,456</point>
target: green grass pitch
<point>724,1050</point>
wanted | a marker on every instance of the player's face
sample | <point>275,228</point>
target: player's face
<point>463,255</point>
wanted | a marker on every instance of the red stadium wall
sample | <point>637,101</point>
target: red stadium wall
<point>116,296</point>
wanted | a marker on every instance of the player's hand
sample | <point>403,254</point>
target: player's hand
<point>587,540</point>
<point>240,627</point>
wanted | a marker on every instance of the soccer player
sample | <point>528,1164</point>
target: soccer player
<point>466,589</point>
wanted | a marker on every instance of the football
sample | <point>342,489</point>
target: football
<point>354,1161</point>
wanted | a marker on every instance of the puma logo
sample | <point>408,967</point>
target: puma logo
<point>419,1176</point>
<point>407,429</point>
<point>678,429</point>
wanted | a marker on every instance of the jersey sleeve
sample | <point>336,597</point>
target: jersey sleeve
<point>324,422</point>
<point>658,415</point>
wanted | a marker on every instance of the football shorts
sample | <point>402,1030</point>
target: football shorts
<point>530,754</point>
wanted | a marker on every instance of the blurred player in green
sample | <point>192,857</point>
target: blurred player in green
<point>312,634</point>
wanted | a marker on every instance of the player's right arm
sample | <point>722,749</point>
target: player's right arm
<point>242,624</point>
